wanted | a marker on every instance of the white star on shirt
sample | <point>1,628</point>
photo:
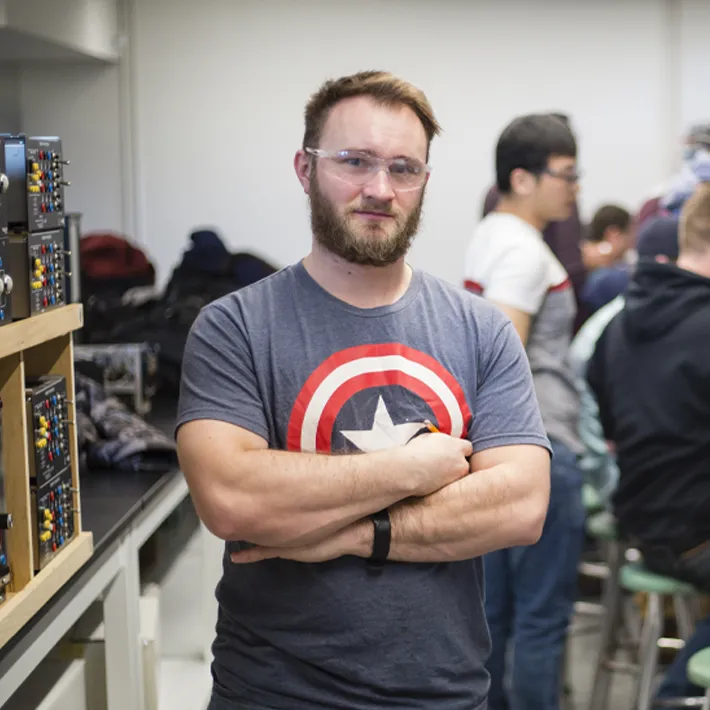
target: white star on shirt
<point>385,434</point>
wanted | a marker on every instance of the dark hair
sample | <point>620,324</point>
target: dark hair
<point>528,143</point>
<point>605,217</point>
<point>562,117</point>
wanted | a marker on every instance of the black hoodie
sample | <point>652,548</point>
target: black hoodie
<point>651,375</point>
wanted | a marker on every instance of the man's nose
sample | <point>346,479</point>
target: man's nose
<point>379,187</point>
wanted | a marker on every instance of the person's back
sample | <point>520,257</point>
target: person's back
<point>651,377</point>
<point>657,239</point>
<point>655,401</point>
<point>650,373</point>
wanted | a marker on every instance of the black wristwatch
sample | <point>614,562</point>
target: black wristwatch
<point>381,540</point>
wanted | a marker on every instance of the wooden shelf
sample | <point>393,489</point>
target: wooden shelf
<point>36,346</point>
<point>29,333</point>
<point>21,606</point>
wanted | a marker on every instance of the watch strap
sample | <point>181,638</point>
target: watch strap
<point>382,538</point>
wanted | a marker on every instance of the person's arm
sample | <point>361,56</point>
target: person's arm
<point>502,503</point>
<point>518,283</point>
<point>520,320</point>
<point>244,491</point>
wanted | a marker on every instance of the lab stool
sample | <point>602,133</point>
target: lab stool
<point>602,528</point>
<point>699,673</point>
<point>591,500</point>
<point>635,578</point>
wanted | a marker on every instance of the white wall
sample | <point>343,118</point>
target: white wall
<point>80,103</point>
<point>222,85</point>
<point>219,89</point>
<point>695,56</point>
<point>9,100</point>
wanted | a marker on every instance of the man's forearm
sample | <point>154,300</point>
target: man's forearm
<point>244,491</point>
<point>488,510</point>
<point>282,498</point>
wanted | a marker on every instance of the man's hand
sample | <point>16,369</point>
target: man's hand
<point>356,539</point>
<point>437,460</point>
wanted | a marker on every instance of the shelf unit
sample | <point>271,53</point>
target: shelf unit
<point>40,345</point>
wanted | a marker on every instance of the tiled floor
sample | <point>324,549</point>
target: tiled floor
<point>184,685</point>
<point>582,658</point>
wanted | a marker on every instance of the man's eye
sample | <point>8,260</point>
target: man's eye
<point>404,168</point>
<point>355,162</point>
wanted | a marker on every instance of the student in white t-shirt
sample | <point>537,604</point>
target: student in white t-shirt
<point>530,591</point>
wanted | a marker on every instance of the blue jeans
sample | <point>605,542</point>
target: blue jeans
<point>530,595</point>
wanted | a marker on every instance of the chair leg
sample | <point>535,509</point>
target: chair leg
<point>683,616</point>
<point>648,656</point>
<point>608,643</point>
<point>706,701</point>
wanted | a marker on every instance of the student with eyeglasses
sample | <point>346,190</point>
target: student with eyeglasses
<point>530,590</point>
<point>366,432</point>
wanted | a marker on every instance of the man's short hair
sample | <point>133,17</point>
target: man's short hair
<point>694,225</point>
<point>528,143</point>
<point>382,87</point>
<point>562,117</point>
<point>605,217</point>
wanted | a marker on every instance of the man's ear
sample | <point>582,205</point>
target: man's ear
<point>302,165</point>
<point>522,183</point>
<point>612,235</point>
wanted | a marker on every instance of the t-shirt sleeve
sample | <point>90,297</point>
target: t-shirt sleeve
<point>218,375</point>
<point>506,410</point>
<point>519,279</point>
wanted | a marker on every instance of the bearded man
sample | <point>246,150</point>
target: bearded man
<point>352,568</point>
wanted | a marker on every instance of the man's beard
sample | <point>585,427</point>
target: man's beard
<point>332,231</point>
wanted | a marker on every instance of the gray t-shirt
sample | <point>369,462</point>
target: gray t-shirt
<point>293,364</point>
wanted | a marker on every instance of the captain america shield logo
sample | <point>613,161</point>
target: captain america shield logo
<point>372,397</point>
